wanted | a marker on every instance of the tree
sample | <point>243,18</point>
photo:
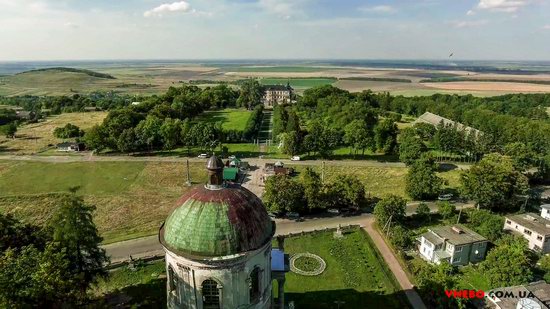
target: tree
<point>9,129</point>
<point>282,194</point>
<point>148,131</point>
<point>486,223</point>
<point>68,131</point>
<point>522,156</point>
<point>386,136</point>
<point>400,237</point>
<point>96,138</point>
<point>411,147</point>
<point>391,206</point>
<point>291,142</point>
<point>170,131</point>
<point>434,280</point>
<point>16,234</point>
<point>422,181</point>
<point>493,182</point>
<point>36,278</point>
<point>446,209</point>
<point>508,263</point>
<point>74,230</point>
<point>313,189</point>
<point>423,211</point>
<point>346,191</point>
<point>544,265</point>
<point>358,136</point>
<point>251,94</point>
<point>128,141</point>
<point>425,131</point>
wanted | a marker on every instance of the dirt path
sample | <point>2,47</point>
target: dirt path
<point>394,265</point>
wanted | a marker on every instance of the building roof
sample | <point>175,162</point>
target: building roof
<point>278,87</point>
<point>533,222</point>
<point>541,291</point>
<point>450,234</point>
<point>432,238</point>
<point>230,173</point>
<point>435,120</point>
<point>547,206</point>
<point>217,223</point>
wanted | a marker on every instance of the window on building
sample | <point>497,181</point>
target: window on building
<point>210,294</point>
<point>527,232</point>
<point>458,249</point>
<point>539,237</point>
<point>508,222</point>
<point>457,260</point>
<point>254,285</point>
<point>172,280</point>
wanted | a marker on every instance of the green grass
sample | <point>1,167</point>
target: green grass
<point>298,82</point>
<point>276,69</point>
<point>355,274</point>
<point>145,287</point>
<point>231,119</point>
<point>132,198</point>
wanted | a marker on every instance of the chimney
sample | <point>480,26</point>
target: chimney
<point>457,230</point>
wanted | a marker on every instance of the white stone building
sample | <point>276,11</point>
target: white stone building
<point>534,228</point>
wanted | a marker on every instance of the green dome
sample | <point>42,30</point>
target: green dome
<point>215,223</point>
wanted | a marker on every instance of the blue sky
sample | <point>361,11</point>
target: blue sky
<point>286,29</point>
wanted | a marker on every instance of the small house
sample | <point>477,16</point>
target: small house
<point>71,147</point>
<point>532,295</point>
<point>457,244</point>
<point>230,174</point>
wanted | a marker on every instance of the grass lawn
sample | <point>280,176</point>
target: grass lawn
<point>380,181</point>
<point>145,287</point>
<point>298,82</point>
<point>35,137</point>
<point>231,119</point>
<point>355,274</point>
<point>132,198</point>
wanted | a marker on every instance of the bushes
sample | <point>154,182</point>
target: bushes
<point>254,123</point>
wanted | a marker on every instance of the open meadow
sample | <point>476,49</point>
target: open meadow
<point>231,118</point>
<point>37,137</point>
<point>132,198</point>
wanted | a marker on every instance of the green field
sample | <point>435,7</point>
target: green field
<point>132,198</point>
<point>276,69</point>
<point>231,118</point>
<point>145,287</point>
<point>355,274</point>
<point>379,181</point>
<point>298,82</point>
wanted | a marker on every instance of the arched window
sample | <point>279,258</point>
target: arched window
<point>210,294</point>
<point>172,280</point>
<point>254,285</point>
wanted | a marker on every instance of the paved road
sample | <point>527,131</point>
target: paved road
<point>149,246</point>
<point>394,266</point>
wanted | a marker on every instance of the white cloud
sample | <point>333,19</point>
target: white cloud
<point>507,6</point>
<point>70,25</point>
<point>471,13</point>
<point>378,9</point>
<point>469,24</point>
<point>181,6</point>
<point>285,9</point>
<point>546,27</point>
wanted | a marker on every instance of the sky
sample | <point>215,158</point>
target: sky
<point>274,29</point>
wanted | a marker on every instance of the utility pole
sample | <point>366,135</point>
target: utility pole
<point>323,173</point>
<point>188,175</point>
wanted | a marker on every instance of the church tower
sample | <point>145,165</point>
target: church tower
<point>218,247</point>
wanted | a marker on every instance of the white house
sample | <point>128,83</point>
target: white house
<point>456,244</point>
<point>534,228</point>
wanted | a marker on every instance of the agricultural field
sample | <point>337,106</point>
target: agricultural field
<point>355,273</point>
<point>298,83</point>
<point>231,119</point>
<point>132,198</point>
<point>380,181</point>
<point>275,69</point>
<point>36,137</point>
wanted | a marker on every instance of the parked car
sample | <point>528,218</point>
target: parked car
<point>202,156</point>
<point>293,215</point>
<point>274,215</point>
<point>232,158</point>
<point>333,211</point>
<point>295,158</point>
<point>445,197</point>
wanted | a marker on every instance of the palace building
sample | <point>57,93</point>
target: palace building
<point>218,248</point>
<point>277,94</point>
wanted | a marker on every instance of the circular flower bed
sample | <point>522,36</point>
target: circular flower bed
<point>307,264</point>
